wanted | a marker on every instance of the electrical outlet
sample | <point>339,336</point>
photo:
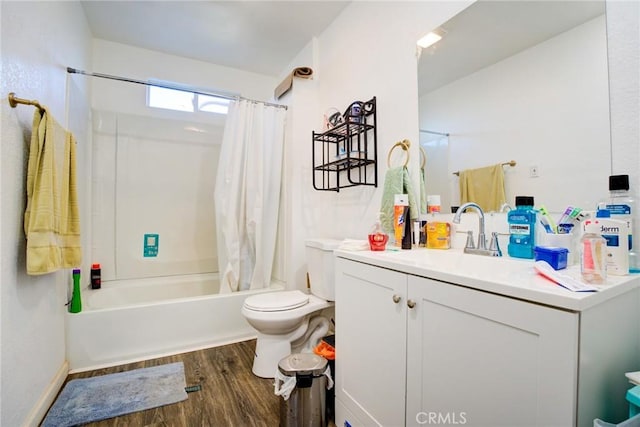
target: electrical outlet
<point>533,172</point>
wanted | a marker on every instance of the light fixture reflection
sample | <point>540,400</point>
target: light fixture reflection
<point>429,39</point>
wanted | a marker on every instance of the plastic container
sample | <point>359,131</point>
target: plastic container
<point>593,253</point>
<point>96,274</point>
<point>522,228</point>
<point>76,300</point>
<point>555,257</point>
<point>616,233</point>
<point>438,235</point>
<point>302,382</point>
<point>633,397</point>
<point>377,238</point>
<point>621,205</point>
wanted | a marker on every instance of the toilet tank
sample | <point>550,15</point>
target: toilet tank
<point>320,267</point>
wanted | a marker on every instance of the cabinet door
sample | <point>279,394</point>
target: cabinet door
<point>370,344</point>
<point>480,359</point>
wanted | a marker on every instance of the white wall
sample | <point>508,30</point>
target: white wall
<point>39,40</point>
<point>546,106</point>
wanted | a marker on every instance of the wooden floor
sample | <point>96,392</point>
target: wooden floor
<point>231,395</point>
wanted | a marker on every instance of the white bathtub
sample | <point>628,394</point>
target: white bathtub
<point>131,320</point>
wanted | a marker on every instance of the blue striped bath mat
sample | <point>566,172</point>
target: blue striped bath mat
<point>98,398</point>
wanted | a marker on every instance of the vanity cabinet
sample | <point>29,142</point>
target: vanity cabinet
<point>416,351</point>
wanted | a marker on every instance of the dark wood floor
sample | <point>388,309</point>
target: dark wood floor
<point>230,396</point>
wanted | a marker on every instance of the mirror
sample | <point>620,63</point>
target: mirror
<point>524,81</point>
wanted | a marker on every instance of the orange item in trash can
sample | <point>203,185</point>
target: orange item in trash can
<point>325,350</point>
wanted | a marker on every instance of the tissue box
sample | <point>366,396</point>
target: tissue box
<point>555,257</point>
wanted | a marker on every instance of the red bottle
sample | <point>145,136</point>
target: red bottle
<point>96,281</point>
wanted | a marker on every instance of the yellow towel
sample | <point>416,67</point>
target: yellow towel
<point>484,186</point>
<point>51,219</point>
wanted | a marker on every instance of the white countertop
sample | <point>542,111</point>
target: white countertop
<point>506,276</point>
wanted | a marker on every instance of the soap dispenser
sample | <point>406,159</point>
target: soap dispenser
<point>378,238</point>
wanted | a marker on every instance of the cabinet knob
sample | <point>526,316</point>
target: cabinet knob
<point>411,303</point>
<point>396,298</point>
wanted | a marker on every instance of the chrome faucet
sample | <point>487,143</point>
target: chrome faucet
<point>505,207</point>
<point>481,248</point>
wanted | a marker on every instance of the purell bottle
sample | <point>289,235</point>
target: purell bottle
<point>621,206</point>
<point>522,228</point>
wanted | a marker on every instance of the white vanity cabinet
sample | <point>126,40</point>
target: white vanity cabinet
<point>417,351</point>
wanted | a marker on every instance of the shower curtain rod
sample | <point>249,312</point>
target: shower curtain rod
<point>174,87</point>
<point>434,132</point>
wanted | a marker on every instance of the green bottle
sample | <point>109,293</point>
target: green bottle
<point>76,301</point>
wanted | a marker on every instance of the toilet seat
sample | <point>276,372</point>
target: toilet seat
<point>277,301</point>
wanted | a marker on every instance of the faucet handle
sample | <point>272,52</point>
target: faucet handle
<point>494,245</point>
<point>470,244</point>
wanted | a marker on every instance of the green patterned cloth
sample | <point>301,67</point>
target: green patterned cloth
<point>396,181</point>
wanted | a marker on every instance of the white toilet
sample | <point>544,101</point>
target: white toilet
<point>291,321</point>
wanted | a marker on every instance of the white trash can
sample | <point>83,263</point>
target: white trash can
<point>302,380</point>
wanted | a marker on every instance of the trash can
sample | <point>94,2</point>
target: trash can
<point>327,349</point>
<point>302,380</point>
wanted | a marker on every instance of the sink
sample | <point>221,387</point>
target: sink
<point>458,262</point>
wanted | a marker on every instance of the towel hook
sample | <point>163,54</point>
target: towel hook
<point>405,144</point>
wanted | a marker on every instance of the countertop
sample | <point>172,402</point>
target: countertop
<point>511,277</point>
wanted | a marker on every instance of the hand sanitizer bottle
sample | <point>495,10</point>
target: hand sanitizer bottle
<point>377,238</point>
<point>522,228</point>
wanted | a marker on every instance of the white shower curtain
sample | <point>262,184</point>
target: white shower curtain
<point>247,194</point>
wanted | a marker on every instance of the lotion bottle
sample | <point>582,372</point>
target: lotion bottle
<point>621,205</point>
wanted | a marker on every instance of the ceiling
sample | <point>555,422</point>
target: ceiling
<point>489,31</point>
<point>257,36</point>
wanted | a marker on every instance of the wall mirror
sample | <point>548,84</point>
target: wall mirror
<point>524,81</point>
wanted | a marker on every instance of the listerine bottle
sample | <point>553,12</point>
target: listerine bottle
<point>522,228</point>
<point>621,206</point>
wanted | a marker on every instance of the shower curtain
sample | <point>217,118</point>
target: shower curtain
<point>247,194</point>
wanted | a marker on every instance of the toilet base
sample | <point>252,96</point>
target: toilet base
<point>270,350</point>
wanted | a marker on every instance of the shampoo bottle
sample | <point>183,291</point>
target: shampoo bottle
<point>96,280</point>
<point>522,228</point>
<point>621,205</point>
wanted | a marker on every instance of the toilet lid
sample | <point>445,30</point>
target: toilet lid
<point>277,301</point>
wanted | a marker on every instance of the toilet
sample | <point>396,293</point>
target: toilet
<point>292,321</point>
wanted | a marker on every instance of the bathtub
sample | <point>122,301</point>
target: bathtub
<point>130,320</point>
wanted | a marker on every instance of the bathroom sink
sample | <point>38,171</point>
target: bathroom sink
<point>458,262</point>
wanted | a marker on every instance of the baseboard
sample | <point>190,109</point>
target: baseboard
<point>41,407</point>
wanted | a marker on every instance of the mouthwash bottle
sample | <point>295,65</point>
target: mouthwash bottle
<point>522,228</point>
<point>621,206</point>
